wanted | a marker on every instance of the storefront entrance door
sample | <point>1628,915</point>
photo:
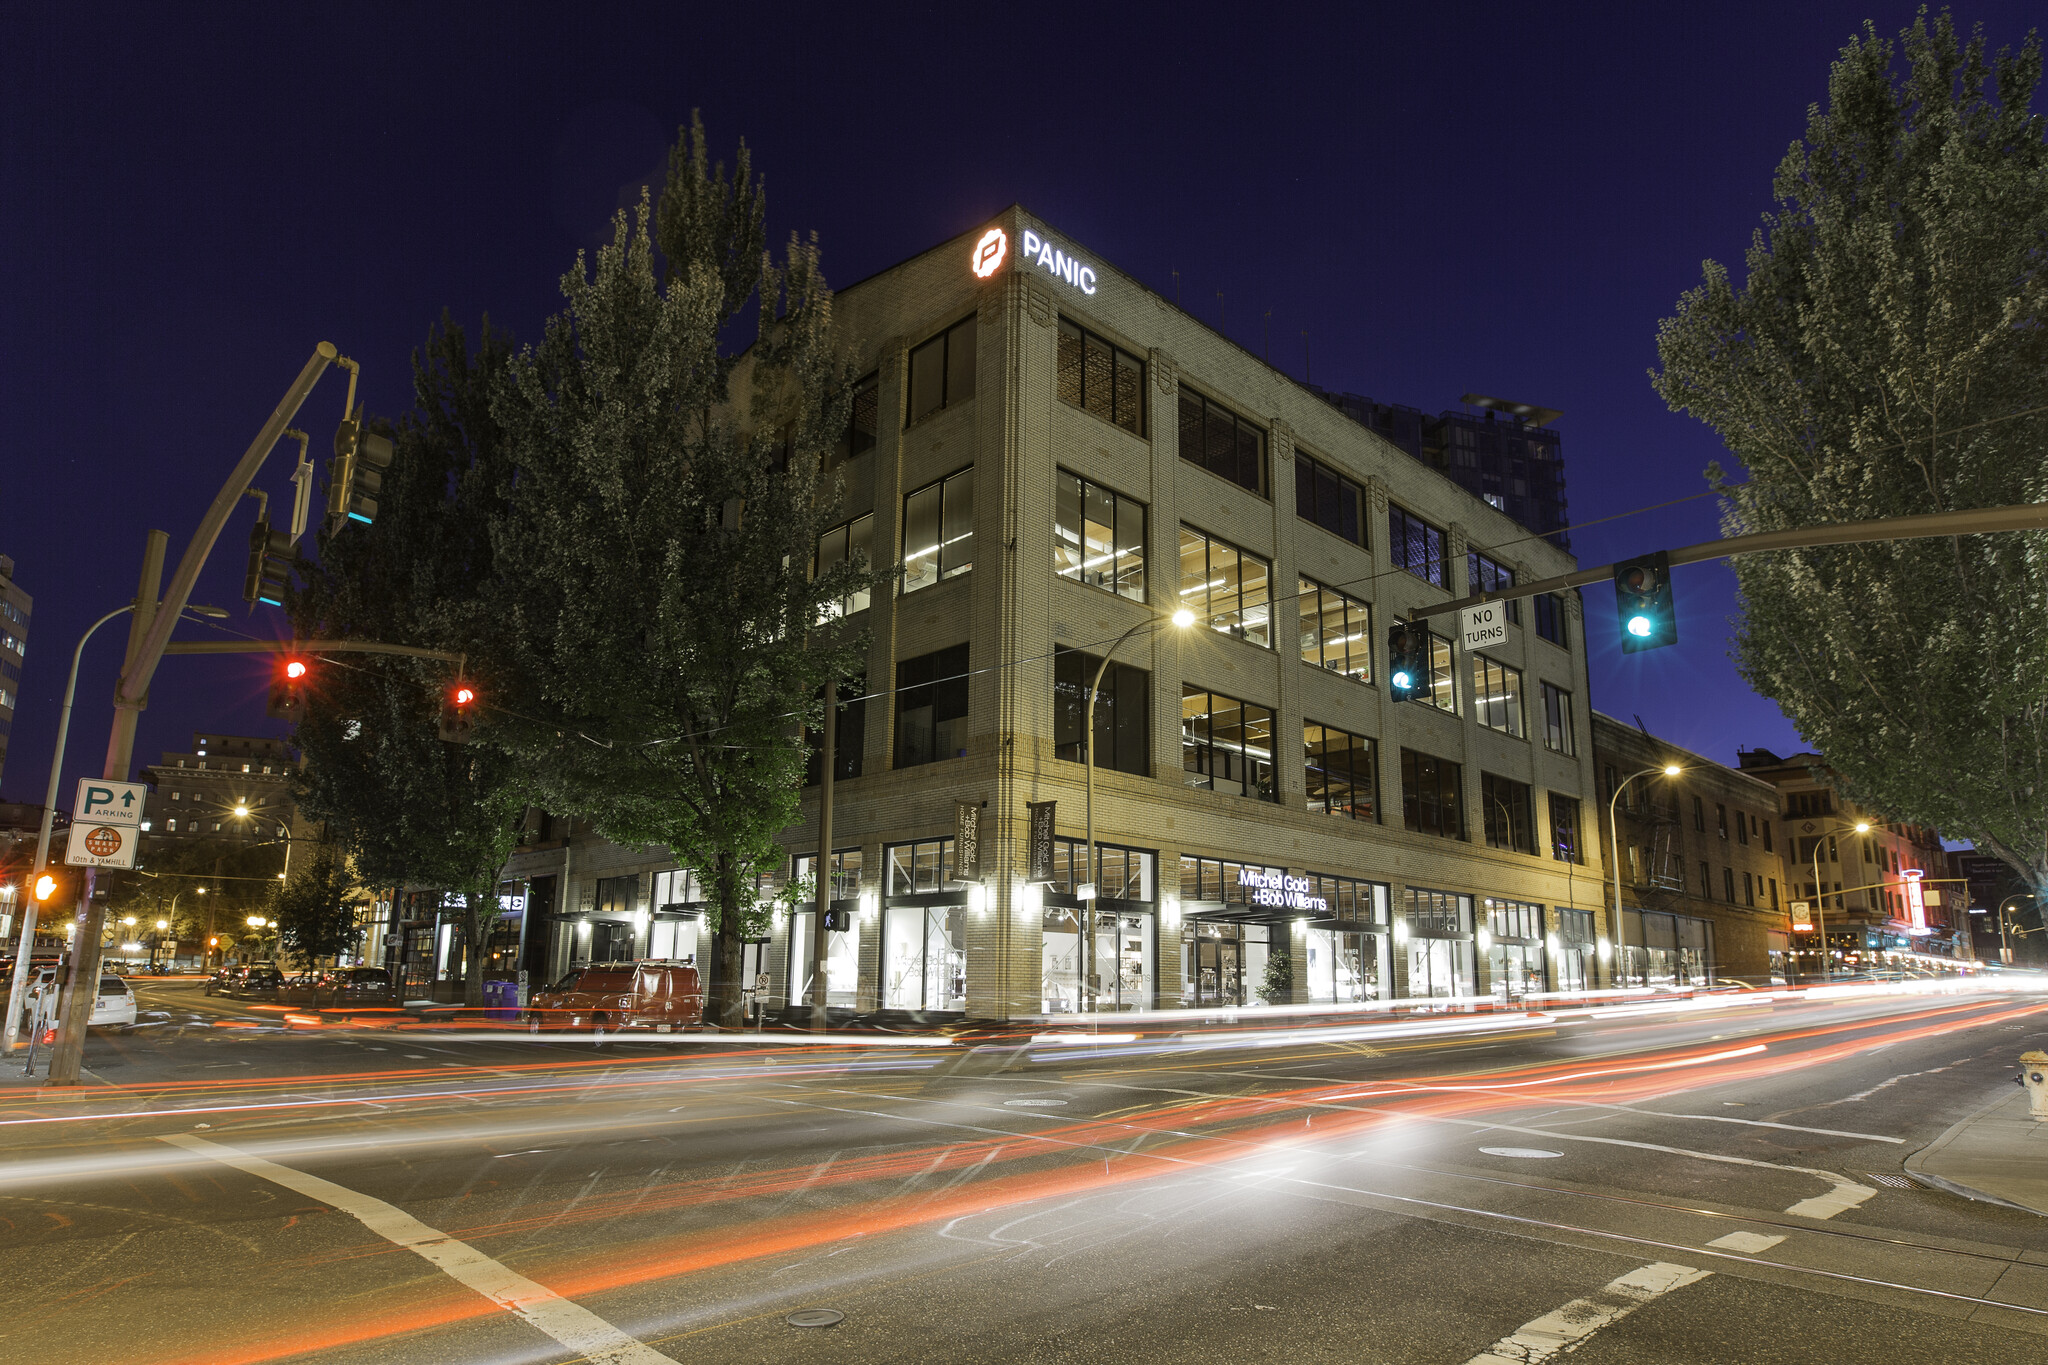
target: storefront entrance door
<point>1219,972</point>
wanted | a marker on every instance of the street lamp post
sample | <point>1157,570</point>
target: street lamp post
<point>1614,844</point>
<point>2004,943</point>
<point>1088,892</point>
<point>1820,909</point>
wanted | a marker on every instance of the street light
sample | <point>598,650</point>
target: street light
<point>1820,908</point>
<point>12,1028</point>
<point>1614,846</point>
<point>1086,891</point>
<point>2005,944</point>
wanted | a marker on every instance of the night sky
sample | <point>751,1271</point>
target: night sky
<point>1502,199</point>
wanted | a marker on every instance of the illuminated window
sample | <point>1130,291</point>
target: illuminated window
<point>1416,546</point>
<point>1341,771</point>
<point>1497,696</point>
<point>1101,378</point>
<point>1227,587</point>
<point>942,370</point>
<point>835,547</point>
<point>938,531</point>
<point>1327,498</point>
<point>1226,744</point>
<point>1442,692</point>
<point>1336,631</point>
<point>1098,537</point>
<point>1221,442</point>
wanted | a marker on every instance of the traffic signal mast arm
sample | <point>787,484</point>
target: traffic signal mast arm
<point>1976,521</point>
<point>312,646</point>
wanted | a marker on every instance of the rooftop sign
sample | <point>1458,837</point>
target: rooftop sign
<point>994,248</point>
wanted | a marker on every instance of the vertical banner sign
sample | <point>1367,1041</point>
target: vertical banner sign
<point>1916,902</point>
<point>967,841</point>
<point>1038,849</point>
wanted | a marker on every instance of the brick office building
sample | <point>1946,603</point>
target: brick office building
<point>1057,454</point>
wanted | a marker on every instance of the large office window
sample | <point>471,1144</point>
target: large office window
<point>1497,696</point>
<point>1564,829</point>
<point>1488,575</point>
<point>1098,537</point>
<point>1122,712</point>
<point>1416,546</point>
<point>942,370</point>
<point>1223,443</point>
<point>1508,813</point>
<point>938,531</point>
<point>1226,745</point>
<point>836,547</point>
<point>1101,378</point>
<point>931,706</point>
<point>1442,692</point>
<point>1328,499</point>
<point>1432,795</point>
<point>849,735</point>
<point>1342,772</point>
<point>1229,588</point>
<point>1560,735</point>
<point>1550,619</point>
<point>1336,631</point>
<point>862,422</point>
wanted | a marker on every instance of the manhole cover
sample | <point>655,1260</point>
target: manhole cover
<point>1518,1151</point>
<point>815,1317</point>
<point>1034,1104</point>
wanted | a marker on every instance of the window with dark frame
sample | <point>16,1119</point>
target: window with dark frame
<point>1728,883</point>
<point>1221,442</point>
<point>1226,745</point>
<point>1098,536</point>
<point>835,547</point>
<point>1564,829</point>
<point>1550,619</point>
<point>931,707</point>
<point>1742,828</point>
<point>1508,813</point>
<point>1432,795</point>
<point>1329,499</point>
<point>1227,588</point>
<point>1699,815</point>
<point>1497,696</point>
<point>942,371</point>
<point>1442,691</point>
<point>863,421</point>
<point>1560,733</point>
<point>1100,377</point>
<point>1484,574</point>
<point>1415,545</point>
<point>1336,631</point>
<point>849,736</point>
<point>1123,734</point>
<point>1721,818</point>
<point>938,530</point>
<point>1342,772</point>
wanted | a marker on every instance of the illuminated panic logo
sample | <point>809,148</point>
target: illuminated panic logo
<point>989,253</point>
<point>1049,258</point>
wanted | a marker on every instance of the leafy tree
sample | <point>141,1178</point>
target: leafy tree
<point>315,917</point>
<point>1277,987</point>
<point>656,548</point>
<point>240,880</point>
<point>411,808</point>
<point>1887,355</point>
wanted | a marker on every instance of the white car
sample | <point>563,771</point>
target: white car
<point>112,1007</point>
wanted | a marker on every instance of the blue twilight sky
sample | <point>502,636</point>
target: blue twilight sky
<point>1459,197</point>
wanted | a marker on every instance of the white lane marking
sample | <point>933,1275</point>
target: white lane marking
<point>1567,1327</point>
<point>574,1326</point>
<point>1840,1199</point>
<point>1748,1243</point>
<point>1758,1123</point>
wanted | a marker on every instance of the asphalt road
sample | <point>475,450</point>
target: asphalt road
<point>1717,1184</point>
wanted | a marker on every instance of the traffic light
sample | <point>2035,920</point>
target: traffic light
<point>356,476</point>
<point>1642,594</point>
<point>458,713</point>
<point>46,887</point>
<point>1407,660</point>
<point>288,687</point>
<point>270,565</point>
<point>838,921</point>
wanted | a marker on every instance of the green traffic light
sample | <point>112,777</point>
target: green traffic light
<point>1639,626</point>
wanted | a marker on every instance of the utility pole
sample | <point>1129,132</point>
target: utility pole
<point>828,754</point>
<point>148,635</point>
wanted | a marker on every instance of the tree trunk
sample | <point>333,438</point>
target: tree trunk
<point>729,1004</point>
<point>473,929</point>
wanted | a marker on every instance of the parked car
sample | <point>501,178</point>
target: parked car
<point>113,1005</point>
<point>656,995</point>
<point>262,981</point>
<point>363,986</point>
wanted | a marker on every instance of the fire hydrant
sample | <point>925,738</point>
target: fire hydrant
<point>2034,1076</point>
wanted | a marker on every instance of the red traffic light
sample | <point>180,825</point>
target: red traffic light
<point>464,695</point>
<point>295,668</point>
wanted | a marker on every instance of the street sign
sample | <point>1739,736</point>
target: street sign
<point>1484,626</point>
<point>109,803</point>
<point>1802,918</point>
<point>102,845</point>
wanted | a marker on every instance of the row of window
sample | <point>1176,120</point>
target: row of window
<point>1746,824</point>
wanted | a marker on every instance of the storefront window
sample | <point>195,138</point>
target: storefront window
<point>1515,958</point>
<point>1120,957</point>
<point>842,962</point>
<point>1576,946</point>
<point>1344,968</point>
<point>1223,963</point>
<point>1217,879</point>
<point>1124,873</point>
<point>924,957</point>
<point>1439,951</point>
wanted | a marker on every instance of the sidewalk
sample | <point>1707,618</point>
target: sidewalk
<point>1997,1154</point>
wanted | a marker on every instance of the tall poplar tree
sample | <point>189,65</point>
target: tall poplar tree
<point>666,497</point>
<point>1887,355</point>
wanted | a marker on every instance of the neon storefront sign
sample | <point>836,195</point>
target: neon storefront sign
<point>993,249</point>
<point>1279,891</point>
<point>1916,903</point>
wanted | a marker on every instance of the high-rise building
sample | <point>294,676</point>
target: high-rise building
<point>1502,452</point>
<point>14,612</point>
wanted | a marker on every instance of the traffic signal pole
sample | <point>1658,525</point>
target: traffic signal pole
<point>149,634</point>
